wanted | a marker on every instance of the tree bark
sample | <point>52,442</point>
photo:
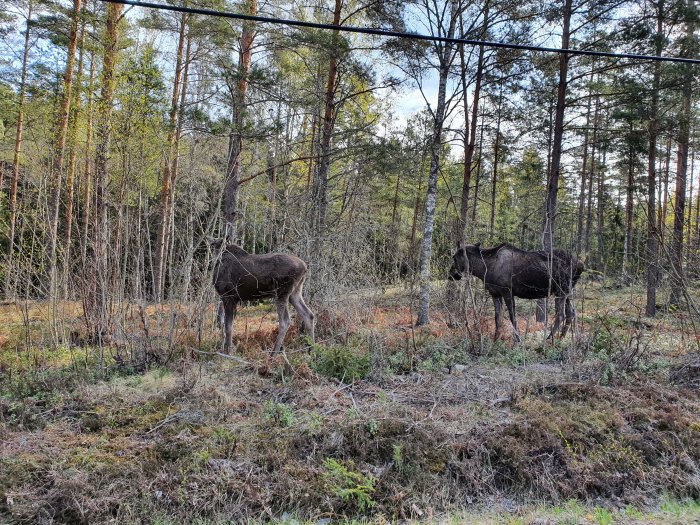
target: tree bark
<point>496,153</point>
<point>600,213</point>
<point>60,146</point>
<point>550,211</point>
<point>235,143</point>
<point>470,128</point>
<point>652,247</point>
<point>445,57</point>
<point>582,190</point>
<point>9,288</point>
<point>629,209</point>
<point>70,184</point>
<point>87,171</point>
<point>678,288</point>
<point>321,190</point>
<point>96,300</point>
<point>166,176</point>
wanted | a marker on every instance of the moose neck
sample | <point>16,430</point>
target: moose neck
<point>477,267</point>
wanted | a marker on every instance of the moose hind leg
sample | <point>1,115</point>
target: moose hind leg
<point>570,316</point>
<point>229,311</point>
<point>510,303</point>
<point>559,317</point>
<point>497,305</point>
<point>303,311</point>
<point>284,322</point>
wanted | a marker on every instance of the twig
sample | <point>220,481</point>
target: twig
<point>221,354</point>
<point>168,419</point>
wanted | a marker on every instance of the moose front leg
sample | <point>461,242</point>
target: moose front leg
<point>284,322</point>
<point>570,316</point>
<point>229,315</point>
<point>497,304</point>
<point>510,303</point>
<point>559,306</point>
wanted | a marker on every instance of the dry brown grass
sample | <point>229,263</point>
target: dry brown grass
<point>215,438</point>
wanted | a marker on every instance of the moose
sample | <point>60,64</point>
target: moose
<point>509,272</point>
<point>241,276</point>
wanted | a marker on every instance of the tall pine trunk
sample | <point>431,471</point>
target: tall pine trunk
<point>470,127</point>
<point>166,176</point>
<point>550,208</point>
<point>678,288</point>
<point>235,143</point>
<point>60,146</point>
<point>9,288</point>
<point>582,189</point>
<point>96,299</point>
<point>321,189</point>
<point>629,210</point>
<point>70,184</point>
<point>652,247</point>
<point>87,168</point>
<point>445,58</point>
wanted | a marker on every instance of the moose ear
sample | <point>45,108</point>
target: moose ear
<point>459,245</point>
<point>478,245</point>
<point>214,242</point>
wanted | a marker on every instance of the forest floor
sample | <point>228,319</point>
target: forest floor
<point>377,421</point>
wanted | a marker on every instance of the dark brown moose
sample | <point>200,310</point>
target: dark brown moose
<point>241,276</point>
<point>510,272</point>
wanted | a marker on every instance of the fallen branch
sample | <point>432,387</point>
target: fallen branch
<point>221,354</point>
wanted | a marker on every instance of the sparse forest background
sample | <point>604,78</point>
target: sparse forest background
<point>129,135</point>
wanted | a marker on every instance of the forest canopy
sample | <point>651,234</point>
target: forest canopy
<point>127,135</point>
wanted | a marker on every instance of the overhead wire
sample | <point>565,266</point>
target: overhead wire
<point>399,34</point>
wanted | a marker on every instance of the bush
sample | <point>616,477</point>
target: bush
<point>346,363</point>
<point>351,486</point>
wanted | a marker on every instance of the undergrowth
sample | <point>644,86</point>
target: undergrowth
<point>368,425</point>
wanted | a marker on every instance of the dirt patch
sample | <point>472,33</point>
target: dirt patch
<point>237,444</point>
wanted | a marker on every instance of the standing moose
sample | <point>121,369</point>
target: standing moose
<point>510,272</point>
<point>241,276</point>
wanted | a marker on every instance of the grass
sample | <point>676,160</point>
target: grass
<point>366,426</point>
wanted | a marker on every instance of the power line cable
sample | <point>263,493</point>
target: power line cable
<point>398,34</point>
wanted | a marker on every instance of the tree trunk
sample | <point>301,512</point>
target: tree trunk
<point>678,288</point>
<point>470,128</point>
<point>591,177</point>
<point>87,171</point>
<point>170,226</point>
<point>235,143</point>
<point>9,288</point>
<point>554,173</point>
<point>550,210</point>
<point>582,190</point>
<point>165,182</point>
<point>663,204</point>
<point>600,213</point>
<point>71,162</point>
<point>496,153</point>
<point>321,190</point>
<point>629,209</point>
<point>60,146</point>
<point>475,200</point>
<point>445,58</point>
<point>96,301</point>
<point>652,247</point>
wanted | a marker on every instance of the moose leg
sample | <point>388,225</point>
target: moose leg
<point>559,305</point>
<point>229,308</point>
<point>220,315</point>
<point>510,303</point>
<point>284,321</point>
<point>304,311</point>
<point>570,313</point>
<point>497,304</point>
